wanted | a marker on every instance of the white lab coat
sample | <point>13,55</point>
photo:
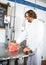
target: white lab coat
<point>33,34</point>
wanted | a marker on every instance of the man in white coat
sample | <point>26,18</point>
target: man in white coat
<point>34,35</point>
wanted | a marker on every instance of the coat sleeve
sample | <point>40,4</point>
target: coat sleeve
<point>21,37</point>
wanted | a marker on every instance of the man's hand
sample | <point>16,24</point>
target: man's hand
<point>26,50</point>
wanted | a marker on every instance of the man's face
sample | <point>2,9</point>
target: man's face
<point>28,18</point>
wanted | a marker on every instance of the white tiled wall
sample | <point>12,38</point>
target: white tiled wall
<point>2,35</point>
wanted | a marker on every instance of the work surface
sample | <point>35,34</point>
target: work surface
<point>12,55</point>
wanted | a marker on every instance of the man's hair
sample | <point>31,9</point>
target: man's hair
<point>31,13</point>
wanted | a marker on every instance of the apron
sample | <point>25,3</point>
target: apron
<point>35,59</point>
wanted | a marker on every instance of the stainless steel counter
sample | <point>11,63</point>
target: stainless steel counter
<point>12,56</point>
